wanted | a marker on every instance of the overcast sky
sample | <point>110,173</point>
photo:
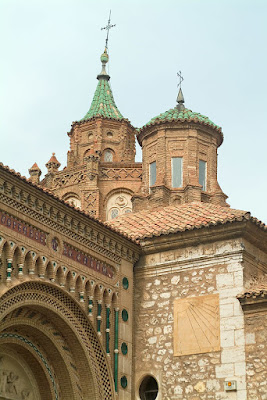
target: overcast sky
<point>50,53</point>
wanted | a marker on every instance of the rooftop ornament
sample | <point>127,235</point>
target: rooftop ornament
<point>107,28</point>
<point>180,98</point>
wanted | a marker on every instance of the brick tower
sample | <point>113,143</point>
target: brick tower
<point>179,159</point>
<point>101,174</point>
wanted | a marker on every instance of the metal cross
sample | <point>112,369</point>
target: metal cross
<point>108,27</point>
<point>179,74</point>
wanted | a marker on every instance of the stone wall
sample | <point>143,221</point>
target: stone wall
<point>256,355</point>
<point>162,278</point>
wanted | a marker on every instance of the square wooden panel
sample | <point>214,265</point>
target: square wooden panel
<point>196,325</point>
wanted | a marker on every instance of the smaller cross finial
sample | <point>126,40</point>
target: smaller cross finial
<point>108,27</point>
<point>179,74</point>
<point>180,97</point>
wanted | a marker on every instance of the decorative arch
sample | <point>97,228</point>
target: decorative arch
<point>108,155</point>
<point>73,199</point>
<point>118,202</point>
<point>33,313</point>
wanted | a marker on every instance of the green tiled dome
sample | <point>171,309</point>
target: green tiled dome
<point>103,104</point>
<point>174,114</point>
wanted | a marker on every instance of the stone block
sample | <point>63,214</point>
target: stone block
<point>240,368</point>
<point>227,338</point>
<point>238,279</point>
<point>239,337</point>
<point>225,281</point>
<point>166,295</point>
<point>148,304</point>
<point>229,293</point>
<point>231,323</point>
<point>152,340</point>
<point>233,355</point>
<point>225,371</point>
<point>237,308</point>
<point>226,310</point>
<point>175,280</point>
<point>241,395</point>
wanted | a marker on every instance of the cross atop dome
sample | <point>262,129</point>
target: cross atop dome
<point>107,28</point>
<point>180,97</point>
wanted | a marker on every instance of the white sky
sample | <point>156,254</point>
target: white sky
<point>50,53</point>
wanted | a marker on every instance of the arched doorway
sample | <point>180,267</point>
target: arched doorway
<point>48,348</point>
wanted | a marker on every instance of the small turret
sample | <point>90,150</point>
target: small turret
<point>35,174</point>
<point>53,164</point>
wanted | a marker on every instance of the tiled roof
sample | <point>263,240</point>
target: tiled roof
<point>186,115</point>
<point>53,160</point>
<point>103,104</point>
<point>166,220</point>
<point>35,167</point>
<point>258,289</point>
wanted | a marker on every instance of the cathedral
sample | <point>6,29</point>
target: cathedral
<point>131,280</point>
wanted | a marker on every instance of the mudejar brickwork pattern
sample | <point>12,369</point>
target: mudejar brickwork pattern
<point>126,280</point>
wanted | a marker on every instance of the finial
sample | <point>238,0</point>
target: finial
<point>180,97</point>
<point>108,27</point>
<point>104,59</point>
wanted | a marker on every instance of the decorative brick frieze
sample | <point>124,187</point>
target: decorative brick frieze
<point>56,216</point>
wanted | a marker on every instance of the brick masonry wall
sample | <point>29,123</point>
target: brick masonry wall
<point>164,277</point>
<point>256,356</point>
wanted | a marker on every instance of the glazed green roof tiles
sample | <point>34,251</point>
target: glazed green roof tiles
<point>174,114</point>
<point>103,104</point>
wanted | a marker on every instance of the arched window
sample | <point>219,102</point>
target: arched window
<point>118,204</point>
<point>108,155</point>
<point>73,200</point>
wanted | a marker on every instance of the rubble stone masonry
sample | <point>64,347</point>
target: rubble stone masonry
<point>256,339</point>
<point>162,278</point>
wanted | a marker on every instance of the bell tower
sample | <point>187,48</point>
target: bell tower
<point>101,174</point>
<point>103,128</point>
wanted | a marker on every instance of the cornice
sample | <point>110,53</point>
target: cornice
<point>100,119</point>
<point>229,230</point>
<point>179,125</point>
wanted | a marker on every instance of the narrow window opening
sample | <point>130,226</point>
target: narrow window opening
<point>108,156</point>
<point>152,173</point>
<point>203,174</point>
<point>177,172</point>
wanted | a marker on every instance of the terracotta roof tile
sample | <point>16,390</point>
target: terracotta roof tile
<point>165,220</point>
<point>257,289</point>
<point>53,159</point>
<point>35,167</point>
